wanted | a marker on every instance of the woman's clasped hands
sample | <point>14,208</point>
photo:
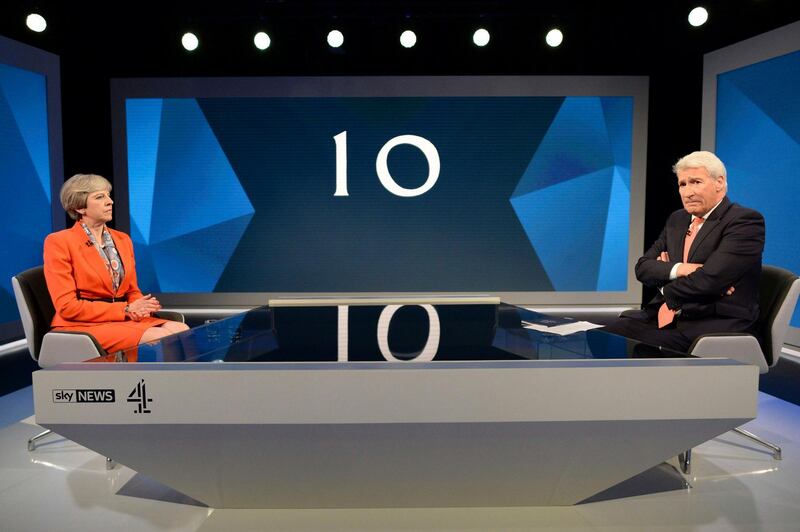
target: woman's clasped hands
<point>143,307</point>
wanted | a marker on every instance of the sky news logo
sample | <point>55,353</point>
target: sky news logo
<point>83,396</point>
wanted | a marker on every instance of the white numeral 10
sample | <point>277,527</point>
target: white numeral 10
<point>424,145</point>
<point>384,321</point>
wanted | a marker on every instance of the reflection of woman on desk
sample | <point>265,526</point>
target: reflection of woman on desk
<point>91,273</point>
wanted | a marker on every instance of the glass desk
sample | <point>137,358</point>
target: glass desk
<point>412,403</point>
<point>381,333</point>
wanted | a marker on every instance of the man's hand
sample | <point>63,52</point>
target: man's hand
<point>730,291</point>
<point>688,268</point>
<point>663,257</point>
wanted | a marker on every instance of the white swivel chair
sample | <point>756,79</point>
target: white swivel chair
<point>48,347</point>
<point>778,293</point>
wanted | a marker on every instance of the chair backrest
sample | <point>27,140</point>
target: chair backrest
<point>778,292</point>
<point>36,309</point>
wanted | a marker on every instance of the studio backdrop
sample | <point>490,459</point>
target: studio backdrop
<point>31,165</point>
<point>525,187</point>
<point>751,118</point>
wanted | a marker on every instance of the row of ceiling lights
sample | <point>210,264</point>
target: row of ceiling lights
<point>697,17</point>
<point>335,38</point>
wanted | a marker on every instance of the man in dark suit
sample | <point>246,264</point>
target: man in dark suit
<point>706,263</point>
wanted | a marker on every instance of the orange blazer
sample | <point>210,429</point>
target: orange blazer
<point>74,270</point>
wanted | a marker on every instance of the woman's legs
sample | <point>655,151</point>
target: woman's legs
<point>160,331</point>
<point>174,326</point>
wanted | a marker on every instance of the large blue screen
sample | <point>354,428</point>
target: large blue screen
<point>25,166</point>
<point>240,194</point>
<point>529,188</point>
<point>758,138</point>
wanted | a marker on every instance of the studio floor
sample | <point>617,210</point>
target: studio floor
<point>734,486</point>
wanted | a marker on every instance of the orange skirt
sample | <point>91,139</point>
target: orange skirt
<point>116,335</point>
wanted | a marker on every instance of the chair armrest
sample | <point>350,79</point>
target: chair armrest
<point>68,346</point>
<point>170,315</point>
<point>635,313</point>
<point>737,346</point>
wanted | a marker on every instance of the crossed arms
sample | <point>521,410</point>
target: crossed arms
<point>726,256</point>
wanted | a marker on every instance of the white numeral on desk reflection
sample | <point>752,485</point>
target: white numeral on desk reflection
<point>384,321</point>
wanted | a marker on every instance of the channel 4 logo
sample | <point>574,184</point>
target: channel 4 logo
<point>139,396</point>
<point>84,396</point>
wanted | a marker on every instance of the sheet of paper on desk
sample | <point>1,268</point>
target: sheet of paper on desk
<point>544,320</point>
<point>562,330</point>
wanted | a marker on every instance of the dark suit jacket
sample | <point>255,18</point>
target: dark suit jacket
<point>729,245</point>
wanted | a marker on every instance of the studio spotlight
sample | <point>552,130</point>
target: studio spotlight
<point>36,22</point>
<point>335,39</point>
<point>554,37</point>
<point>481,37</point>
<point>262,40</point>
<point>408,39</point>
<point>698,16</point>
<point>190,41</point>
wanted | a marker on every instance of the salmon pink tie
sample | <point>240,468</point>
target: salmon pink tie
<point>665,314</point>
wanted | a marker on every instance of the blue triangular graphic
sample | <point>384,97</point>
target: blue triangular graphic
<point>774,87</point>
<point>26,95</point>
<point>565,223</point>
<point>190,154</point>
<point>195,261</point>
<point>763,153</point>
<point>618,113</point>
<point>746,152</point>
<point>143,119</point>
<point>614,260</point>
<point>576,143</point>
<point>145,271</point>
<point>24,209</point>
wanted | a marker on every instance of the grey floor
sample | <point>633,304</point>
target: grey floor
<point>63,486</point>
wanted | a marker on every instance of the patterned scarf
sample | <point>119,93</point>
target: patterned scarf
<point>110,256</point>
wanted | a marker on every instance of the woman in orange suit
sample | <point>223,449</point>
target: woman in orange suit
<point>91,273</point>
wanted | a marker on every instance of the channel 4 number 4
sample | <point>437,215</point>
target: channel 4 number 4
<point>424,145</point>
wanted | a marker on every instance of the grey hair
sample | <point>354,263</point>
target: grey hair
<point>77,188</point>
<point>701,159</point>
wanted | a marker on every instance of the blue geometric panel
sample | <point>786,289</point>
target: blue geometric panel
<point>772,86</point>
<point>143,125</point>
<point>189,263</point>
<point>145,270</point>
<point>189,153</point>
<point>761,149</point>
<point>577,186</point>
<point>575,210</point>
<point>618,114</point>
<point>26,95</point>
<point>576,143</point>
<point>615,239</point>
<point>24,161</point>
<point>184,235</point>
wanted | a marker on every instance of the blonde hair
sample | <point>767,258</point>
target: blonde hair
<point>77,188</point>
